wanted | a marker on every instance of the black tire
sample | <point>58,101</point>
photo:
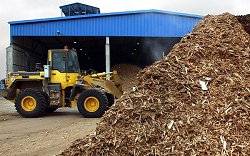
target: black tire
<point>111,99</point>
<point>99,100</point>
<point>46,96</point>
<point>50,109</point>
<point>27,96</point>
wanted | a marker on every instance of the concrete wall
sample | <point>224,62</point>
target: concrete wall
<point>9,59</point>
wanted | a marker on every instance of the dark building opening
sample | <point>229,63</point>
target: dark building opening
<point>140,51</point>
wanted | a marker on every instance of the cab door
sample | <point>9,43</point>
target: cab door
<point>58,67</point>
<point>72,67</point>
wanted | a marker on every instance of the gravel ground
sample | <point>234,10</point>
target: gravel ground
<point>48,135</point>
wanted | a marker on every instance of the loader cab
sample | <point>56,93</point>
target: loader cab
<point>65,61</point>
<point>64,66</point>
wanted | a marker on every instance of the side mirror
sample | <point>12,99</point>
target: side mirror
<point>46,71</point>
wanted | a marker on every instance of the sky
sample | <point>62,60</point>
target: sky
<point>15,10</point>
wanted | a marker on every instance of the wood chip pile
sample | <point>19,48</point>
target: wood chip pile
<point>195,101</point>
<point>127,73</point>
<point>245,21</point>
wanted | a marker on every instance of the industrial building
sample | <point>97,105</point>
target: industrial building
<point>101,39</point>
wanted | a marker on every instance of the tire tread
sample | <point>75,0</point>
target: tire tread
<point>41,103</point>
<point>103,103</point>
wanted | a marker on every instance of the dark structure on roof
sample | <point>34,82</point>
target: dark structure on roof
<point>78,9</point>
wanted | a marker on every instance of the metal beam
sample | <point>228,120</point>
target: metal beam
<point>107,56</point>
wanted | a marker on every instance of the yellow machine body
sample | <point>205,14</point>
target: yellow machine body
<point>62,87</point>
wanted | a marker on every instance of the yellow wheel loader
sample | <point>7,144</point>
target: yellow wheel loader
<point>60,84</point>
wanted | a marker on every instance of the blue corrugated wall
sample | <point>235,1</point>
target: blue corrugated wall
<point>140,24</point>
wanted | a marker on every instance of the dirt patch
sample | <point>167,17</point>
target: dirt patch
<point>46,136</point>
<point>193,102</point>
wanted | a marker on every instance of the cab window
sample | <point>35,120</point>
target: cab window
<point>72,63</point>
<point>59,61</point>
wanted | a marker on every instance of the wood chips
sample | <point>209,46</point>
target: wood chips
<point>170,114</point>
<point>245,21</point>
<point>127,73</point>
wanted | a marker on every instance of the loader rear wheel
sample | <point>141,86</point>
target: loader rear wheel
<point>49,109</point>
<point>30,103</point>
<point>92,103</point>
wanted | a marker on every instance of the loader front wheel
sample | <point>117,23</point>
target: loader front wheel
<point>92,103</point>
<point>30,103</point>
<point>111,99</point>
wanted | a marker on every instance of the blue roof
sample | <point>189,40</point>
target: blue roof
<point>107,14</point>
<point>144,23</point>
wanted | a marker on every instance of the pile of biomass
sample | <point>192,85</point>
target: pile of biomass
<point>245,21</point>
<point>193,102</point>
<point>127,73</point>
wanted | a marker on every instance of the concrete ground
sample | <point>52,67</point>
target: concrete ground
<point>48,135</point>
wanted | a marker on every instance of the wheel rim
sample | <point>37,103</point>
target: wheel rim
<point>91,104</point>
<point>28,103</point>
